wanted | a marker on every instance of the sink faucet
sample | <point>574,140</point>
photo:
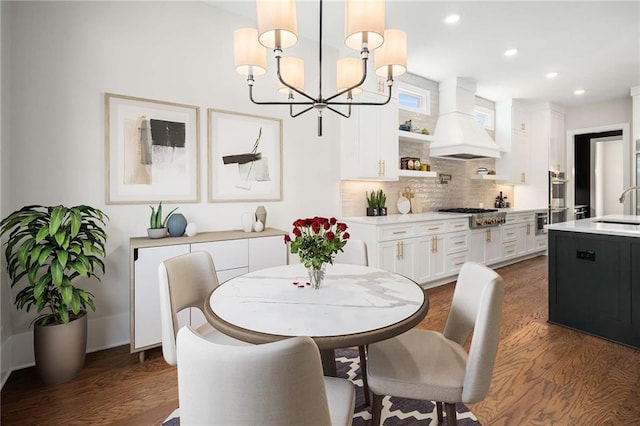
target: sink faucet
<point>631,188</point>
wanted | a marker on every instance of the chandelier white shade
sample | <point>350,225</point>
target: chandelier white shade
<point>364,23</point>
<point>292,71</point>
<point>391,57</point>
<point>277,23</point>
<point>278,30</point>
<point>348,74</point>
<point>249,56</point>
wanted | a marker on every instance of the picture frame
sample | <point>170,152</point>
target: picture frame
<point>152,151</point>
<point>245,157</point>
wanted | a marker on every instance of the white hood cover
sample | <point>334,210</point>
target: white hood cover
<point>457,133</point>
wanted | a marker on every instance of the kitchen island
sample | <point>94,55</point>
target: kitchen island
<point>594,277</point>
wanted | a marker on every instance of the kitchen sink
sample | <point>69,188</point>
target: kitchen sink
<point>619,221</point>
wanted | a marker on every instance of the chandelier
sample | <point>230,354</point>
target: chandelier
<point>277,30</point>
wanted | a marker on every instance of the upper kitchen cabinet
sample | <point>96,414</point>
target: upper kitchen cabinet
<point>369,141</point>
<point>513,122</point>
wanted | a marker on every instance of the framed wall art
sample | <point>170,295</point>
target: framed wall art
<point>245,157</point>
<point>152,151</point>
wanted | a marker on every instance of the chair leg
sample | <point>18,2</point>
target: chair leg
<point>452,419</point>
<point>376,410</point>
<point>439,411</point>
<point>363,372</point>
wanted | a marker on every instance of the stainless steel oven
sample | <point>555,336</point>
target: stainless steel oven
<point>542,218</point>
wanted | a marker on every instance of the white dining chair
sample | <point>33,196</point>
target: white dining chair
<point>185,283</point>
<point>433,366</point>
<point>279,383</point>
<point>355,253</point>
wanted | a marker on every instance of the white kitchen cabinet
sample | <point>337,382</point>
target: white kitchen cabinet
<point>486,245</point>
<point>369,142</point>
<point>519,235</point>
<point>425,251</point>
<point>397,256</point>
<point>513,121</point>
<point>234,253</point>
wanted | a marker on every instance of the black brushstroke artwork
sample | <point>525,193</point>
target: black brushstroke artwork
<point>168,133</point>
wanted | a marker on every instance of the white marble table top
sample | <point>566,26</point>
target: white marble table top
<point>353,299</point>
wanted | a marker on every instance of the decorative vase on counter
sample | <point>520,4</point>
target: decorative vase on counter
<point>248,221</point>
<point>382,211</point>
<point>316,276</point>
<point>372,211</point>
<point>191,230</point>
<point>176,224</point>
<point>261,215</point>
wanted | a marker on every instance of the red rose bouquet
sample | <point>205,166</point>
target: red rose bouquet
<point>317,240</point>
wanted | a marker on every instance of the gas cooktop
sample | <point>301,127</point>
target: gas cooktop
<point>467,210</point>
<point>480,218</point>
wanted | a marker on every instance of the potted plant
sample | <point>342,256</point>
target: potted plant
<point>372,203</point>
<point>382,203</point>
<point>158,226</point>
<point>48,248</point>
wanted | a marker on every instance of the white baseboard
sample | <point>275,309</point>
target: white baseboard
<point>6,360</point>
<point>102,333</point>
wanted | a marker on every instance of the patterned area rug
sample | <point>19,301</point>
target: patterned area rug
<point>395,411</point>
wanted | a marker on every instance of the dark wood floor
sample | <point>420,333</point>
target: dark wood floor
<point>545,374</point>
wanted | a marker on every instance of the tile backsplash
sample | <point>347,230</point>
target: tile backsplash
<point>431,195</point>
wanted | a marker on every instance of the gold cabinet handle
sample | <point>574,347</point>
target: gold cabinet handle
<point>488,235</point>
<point>528,229</point>
<point>379,168</point>
<point>402,249</point>
<point>460,225</point>
<point>459,263</point>
<point>458,243</point>
<point>384,168</point>
<point>434,229</point>
<point>399,232</point>
<point>398,250</point>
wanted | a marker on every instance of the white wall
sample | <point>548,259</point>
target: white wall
<point>5,297</point>
<point>599,114</point>
<point>66,55</point>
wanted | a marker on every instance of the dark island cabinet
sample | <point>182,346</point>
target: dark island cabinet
<point>594,284</point>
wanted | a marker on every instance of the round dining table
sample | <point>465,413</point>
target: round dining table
<point>355,306</point>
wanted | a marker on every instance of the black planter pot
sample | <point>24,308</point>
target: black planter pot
<point>372,211</point>
<point>382,211</point>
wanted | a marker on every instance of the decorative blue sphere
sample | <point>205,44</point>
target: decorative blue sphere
<point>176,225</point>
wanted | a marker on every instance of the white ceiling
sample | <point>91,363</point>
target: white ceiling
<point>592,45</point>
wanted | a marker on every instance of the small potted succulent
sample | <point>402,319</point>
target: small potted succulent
<point>372,203</point>
<point>382,203</point>
<point>158,226</point>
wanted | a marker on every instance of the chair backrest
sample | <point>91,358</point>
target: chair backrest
<point>477,307</point>
<point>185,282</point>
<point>354,253</point>
<point>278,383</point>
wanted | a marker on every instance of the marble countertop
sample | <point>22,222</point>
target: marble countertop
<point>421,217</point>
<point>618,224</point>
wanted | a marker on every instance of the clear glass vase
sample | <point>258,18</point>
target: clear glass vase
<point>316,276</point>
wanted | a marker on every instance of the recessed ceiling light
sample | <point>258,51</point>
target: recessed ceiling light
<point>511,52</point>
<point>452,19</point>
<point>579,92</point>
<point>552,75</point>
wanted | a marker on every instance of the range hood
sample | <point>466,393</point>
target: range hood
<point>458,135</point>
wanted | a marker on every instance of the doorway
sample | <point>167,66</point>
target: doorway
<point>599,164</point>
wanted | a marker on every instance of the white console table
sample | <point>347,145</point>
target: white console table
<point>234,253</point>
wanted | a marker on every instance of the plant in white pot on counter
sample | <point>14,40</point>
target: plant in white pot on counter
<point>158,226</point>
<point>49,249</point>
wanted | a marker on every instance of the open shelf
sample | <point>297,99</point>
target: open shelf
<point>489,177</point>
<point>417,173</point>
<point>405,136</point>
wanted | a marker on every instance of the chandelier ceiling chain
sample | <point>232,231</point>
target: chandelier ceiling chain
<point>277,29</point>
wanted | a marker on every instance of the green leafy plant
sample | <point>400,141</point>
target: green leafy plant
<point>52,246</point>
<point>155,221</point>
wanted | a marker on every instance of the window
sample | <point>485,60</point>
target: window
<point>412,98</point>
<point>485,117</point>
